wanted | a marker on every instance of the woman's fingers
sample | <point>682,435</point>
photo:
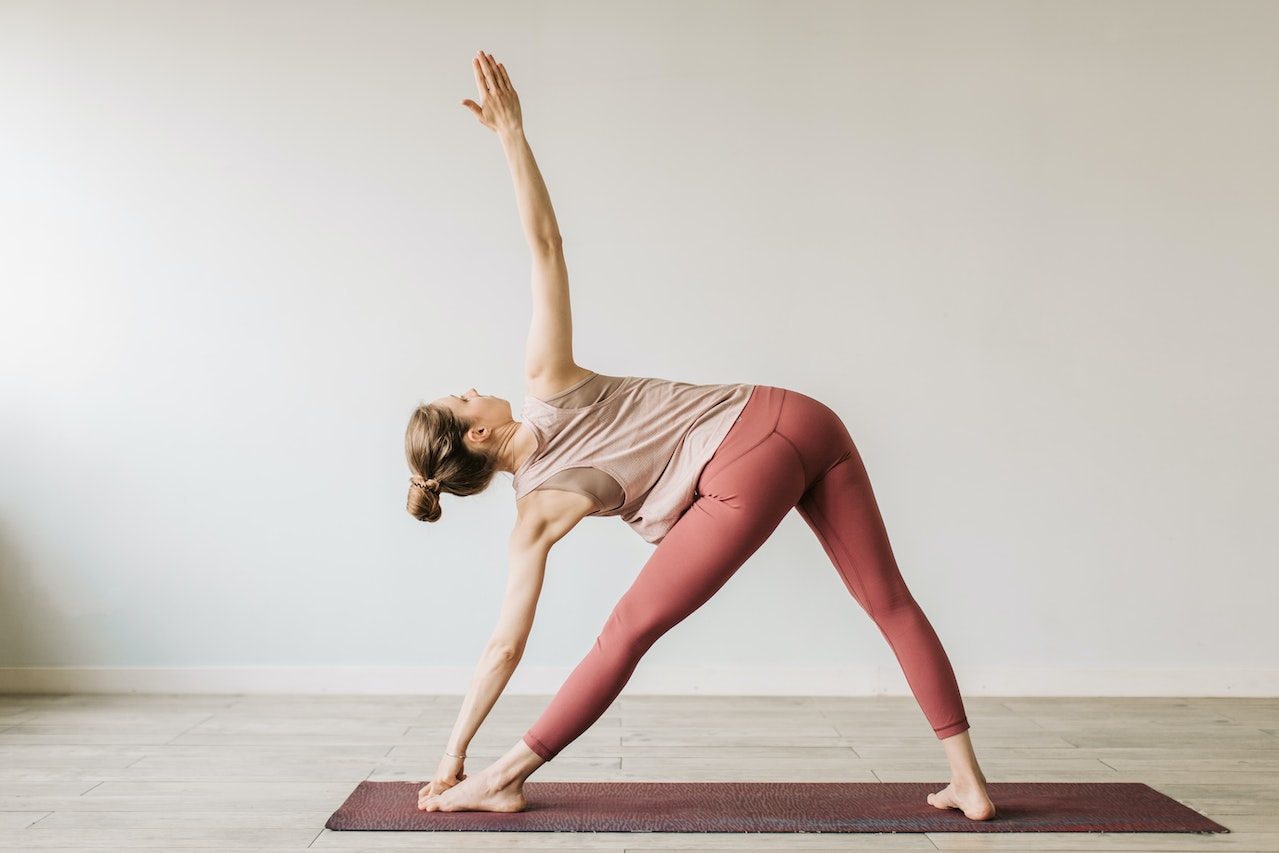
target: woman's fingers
<point>494,75</point>
<point>500,76</point>
<point>479,77</point>
<point>488,72</point>
<point>490,75</point>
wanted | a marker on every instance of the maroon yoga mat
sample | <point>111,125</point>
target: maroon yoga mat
<point>781,807</point>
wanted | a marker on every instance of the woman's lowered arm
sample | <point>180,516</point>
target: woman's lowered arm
<point>543,519</point>
<point>527,558</point>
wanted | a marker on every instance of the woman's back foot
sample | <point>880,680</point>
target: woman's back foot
<point>969,797</point>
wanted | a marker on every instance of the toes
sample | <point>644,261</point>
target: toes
<point>937,800</point>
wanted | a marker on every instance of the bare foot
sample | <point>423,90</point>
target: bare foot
<point>478,793</point>
<point>968,797</point>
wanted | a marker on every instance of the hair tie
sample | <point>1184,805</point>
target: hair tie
<point>431,484</point>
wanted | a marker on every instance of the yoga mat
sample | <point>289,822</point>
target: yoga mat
<point>781,807</point>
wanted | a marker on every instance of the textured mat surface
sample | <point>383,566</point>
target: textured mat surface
<point>781,807</point>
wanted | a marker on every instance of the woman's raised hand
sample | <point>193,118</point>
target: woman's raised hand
<point>500,111</point>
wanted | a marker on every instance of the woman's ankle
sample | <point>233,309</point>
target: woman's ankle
<point>516,765</point>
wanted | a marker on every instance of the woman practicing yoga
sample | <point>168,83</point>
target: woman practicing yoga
<point>706,472</point>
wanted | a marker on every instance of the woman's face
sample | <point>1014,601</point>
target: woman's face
<point>481,410</point>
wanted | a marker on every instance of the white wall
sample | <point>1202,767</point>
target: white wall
<point>1026,249</point>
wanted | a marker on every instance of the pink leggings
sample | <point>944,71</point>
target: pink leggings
<point>785,450</point>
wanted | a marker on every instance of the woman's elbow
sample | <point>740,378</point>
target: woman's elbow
<point>553,242</point>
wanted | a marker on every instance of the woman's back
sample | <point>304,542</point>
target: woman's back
<point>634,445</point>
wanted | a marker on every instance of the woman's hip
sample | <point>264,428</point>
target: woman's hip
<point>805,432</point>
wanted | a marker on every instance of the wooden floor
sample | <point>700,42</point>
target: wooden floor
<point>172,772</point>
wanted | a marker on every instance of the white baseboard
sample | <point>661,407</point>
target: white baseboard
<point>545,680</point>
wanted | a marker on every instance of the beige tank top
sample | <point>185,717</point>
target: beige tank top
<point>634,445</point>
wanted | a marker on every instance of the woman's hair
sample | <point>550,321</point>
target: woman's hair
<point>435,447</point>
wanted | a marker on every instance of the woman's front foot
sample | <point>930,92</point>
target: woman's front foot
<point>482,792</point>
<point>968,796</point>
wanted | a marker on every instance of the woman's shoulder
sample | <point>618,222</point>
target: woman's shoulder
<point>553,509</point>
<point>581,391</point>
<point>551,385</point>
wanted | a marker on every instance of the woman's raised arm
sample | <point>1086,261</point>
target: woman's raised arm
<point>549,351</point>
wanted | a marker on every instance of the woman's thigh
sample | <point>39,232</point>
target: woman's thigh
<point>739,505</point>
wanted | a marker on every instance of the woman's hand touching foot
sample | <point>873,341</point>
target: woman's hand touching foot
<point>482,792</point>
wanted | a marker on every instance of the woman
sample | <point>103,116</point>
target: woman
<point>706,472</point>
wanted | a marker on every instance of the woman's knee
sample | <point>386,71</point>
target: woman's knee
<point>633,627</point>
<point>891,602</point>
